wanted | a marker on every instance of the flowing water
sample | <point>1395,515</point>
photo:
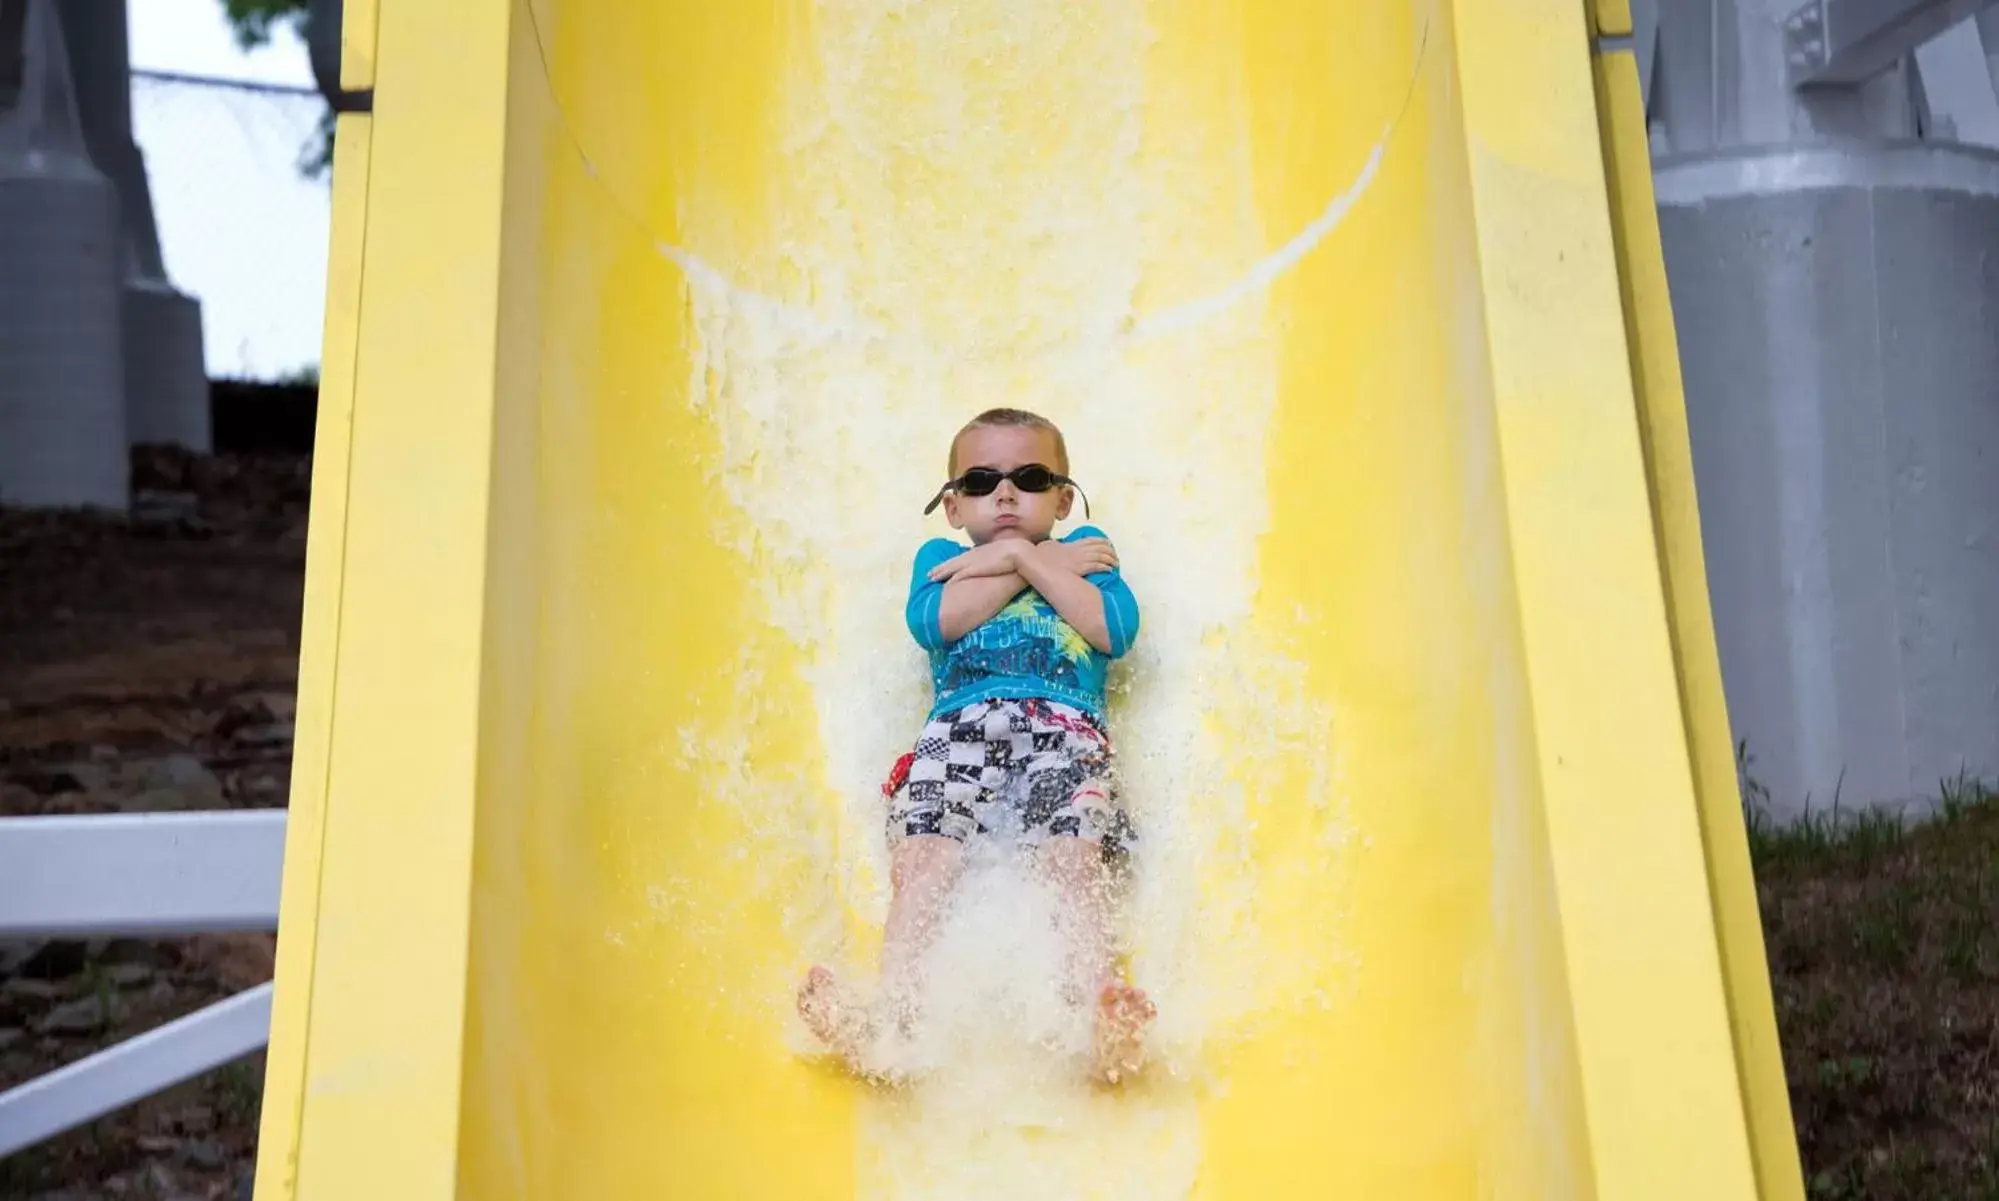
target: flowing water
<point>1015,202</point>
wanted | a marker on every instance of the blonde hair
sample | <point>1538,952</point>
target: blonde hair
<point>1018,418</point>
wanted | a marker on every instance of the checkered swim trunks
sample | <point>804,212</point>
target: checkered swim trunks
<point>1042,767</point>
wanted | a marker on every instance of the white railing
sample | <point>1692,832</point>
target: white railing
<point>141,875</point>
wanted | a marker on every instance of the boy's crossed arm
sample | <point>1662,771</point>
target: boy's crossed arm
<point>980,582</point>
<point>977,584</point>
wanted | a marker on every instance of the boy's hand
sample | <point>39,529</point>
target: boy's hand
<point>994,558</point>
<point>1086,556</point>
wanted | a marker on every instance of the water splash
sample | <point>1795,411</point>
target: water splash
<point>973,204</point>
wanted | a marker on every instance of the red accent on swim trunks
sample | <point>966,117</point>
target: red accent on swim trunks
<point>1075,725</point>
<point>898,773</point>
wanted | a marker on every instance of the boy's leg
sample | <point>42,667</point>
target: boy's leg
<point>922,869</point>
<point>1087,917</point>
<point>1070,806</point>
<point>950,776</point>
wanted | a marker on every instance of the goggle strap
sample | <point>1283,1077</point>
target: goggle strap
<point>1061,481</point>
<point>1065,480</point>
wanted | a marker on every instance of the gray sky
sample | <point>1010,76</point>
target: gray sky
<point>243,232</point>
<point>191,36</point>
<point>240,228</point>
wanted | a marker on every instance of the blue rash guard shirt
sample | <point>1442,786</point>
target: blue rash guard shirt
<point>1026,649</point>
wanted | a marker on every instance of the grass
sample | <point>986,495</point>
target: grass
<point>1883,937</point>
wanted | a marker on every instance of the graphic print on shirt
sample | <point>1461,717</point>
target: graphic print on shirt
<point>1027,639</point>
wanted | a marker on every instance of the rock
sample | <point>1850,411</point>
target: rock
<point>49,781</point>
<point>128,975</point>
<point>204,1153</point>
<point>19,801</point>
<point>9,1035</point>
<point>160,1180</point>
<point>260,721</point>
<point>236,961</point>
<point>16,951</point>
<point>163,512</point>
<point>56,959</point>
<point>58,786</point>
<point>171,783</point>
<point>154,1144</point>
<point>161,504</point>
<point>85,1015</point>
<point>186,771</point>
<point>257,709</point>
<point>264,789</point>
<point>32,992</point>
<point>276,733</point>
<point>246,1187</point>
<point>140,952</point>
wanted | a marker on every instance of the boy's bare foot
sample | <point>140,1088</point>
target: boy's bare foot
<point>1123,1012</point>
<point>833,1016</point>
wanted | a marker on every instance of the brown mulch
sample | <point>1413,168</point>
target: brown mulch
<point>146,664</point>
<point>1883,940</point>
<point>150,664</point>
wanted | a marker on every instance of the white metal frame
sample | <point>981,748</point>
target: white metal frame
<point>150,875</point>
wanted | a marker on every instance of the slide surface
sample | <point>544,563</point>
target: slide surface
<point>649,325</point>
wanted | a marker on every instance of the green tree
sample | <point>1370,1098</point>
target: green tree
<point>254,22</point>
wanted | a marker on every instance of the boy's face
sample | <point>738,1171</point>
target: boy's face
<point>1006,511</point>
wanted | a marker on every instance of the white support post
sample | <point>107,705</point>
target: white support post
<point>134,1069</point>
<point>141,874</point>
<point>148,874</point>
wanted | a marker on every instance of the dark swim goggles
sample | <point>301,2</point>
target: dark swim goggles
<point>984,481</point>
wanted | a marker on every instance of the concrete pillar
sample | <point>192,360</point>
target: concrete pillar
<point>166,377</point>
<point>62,388</point>
<point>1835,285</point>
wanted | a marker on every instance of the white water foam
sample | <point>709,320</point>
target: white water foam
<point>975,203</point>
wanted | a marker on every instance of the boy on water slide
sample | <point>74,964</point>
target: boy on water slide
<point>1020,629</point>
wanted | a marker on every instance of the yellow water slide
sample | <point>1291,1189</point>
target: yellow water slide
<point>648,326</point>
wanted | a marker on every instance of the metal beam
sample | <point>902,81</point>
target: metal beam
<point>1645,47</point>
<point>1988,40</point>
<point>13,50</point>
<point>134,1069</point>
<point>1851,41</point>
<point>141,874</point>
<point>323,46</point>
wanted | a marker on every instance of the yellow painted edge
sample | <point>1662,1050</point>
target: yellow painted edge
<point>383,1093</point>
<point>319,633</point>
<point>1610,18</point>
<point>357,45</point>
<point>1648,316</point>
<point>1653,1045</point>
